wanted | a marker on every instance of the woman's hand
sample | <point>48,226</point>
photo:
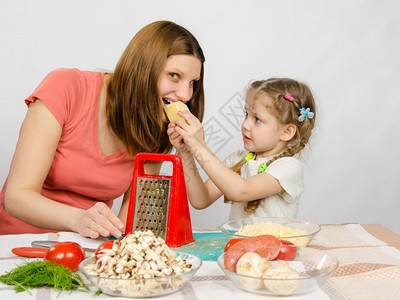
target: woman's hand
<point>99,220</point>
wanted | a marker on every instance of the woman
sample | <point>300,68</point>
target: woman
<point>83,129</point>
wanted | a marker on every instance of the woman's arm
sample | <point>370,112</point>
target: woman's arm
<point>39,137</point>
<point>123,211</point>
<point>231,184</point>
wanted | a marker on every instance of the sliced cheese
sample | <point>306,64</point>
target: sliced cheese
<point>172,110</point>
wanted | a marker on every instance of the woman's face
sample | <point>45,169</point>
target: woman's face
<point>177,78</point>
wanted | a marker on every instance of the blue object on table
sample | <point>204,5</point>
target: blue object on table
<point>207,245</point>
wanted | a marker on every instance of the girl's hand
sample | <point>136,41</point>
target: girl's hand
<point>176,139</point>
<point>192,131</point>
<point>100,220</point>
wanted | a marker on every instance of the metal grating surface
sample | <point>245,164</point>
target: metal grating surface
<point>151,205</point>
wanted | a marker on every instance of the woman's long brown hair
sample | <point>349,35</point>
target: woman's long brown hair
<point>133,107</point>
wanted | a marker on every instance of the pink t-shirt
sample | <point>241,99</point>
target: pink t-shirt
<point>80,174</point>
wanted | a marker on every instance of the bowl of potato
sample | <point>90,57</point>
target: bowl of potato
<point>305,270</point>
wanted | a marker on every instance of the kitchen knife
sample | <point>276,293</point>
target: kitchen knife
<point>29,251</point>
<point>48,244</point>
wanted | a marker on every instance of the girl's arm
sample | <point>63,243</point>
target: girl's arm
<point>231,184</point>
<point>200,194</point>
<point>39,137</point>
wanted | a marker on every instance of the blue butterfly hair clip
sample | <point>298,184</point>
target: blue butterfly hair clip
<point>305,113</point>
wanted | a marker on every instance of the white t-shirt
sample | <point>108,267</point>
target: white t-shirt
<point>287,170</point>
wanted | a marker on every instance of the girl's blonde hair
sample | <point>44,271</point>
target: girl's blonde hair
<point>133,108</point>
<point>287,112</point>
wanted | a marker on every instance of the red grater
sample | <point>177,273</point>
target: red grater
<point>159,202</point>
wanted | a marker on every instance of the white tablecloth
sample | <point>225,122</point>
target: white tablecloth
<point>367,267</point>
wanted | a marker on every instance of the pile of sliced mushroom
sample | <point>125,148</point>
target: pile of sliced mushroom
<point>139,255</point>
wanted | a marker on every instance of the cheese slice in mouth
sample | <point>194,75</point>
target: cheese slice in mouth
<point>172,110</point>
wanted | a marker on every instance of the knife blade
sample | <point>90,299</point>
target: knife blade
<point>48,244</point>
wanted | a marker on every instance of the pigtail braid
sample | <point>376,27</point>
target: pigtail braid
<point>252,205</point>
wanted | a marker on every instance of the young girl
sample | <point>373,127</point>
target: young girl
<point>265,179</point>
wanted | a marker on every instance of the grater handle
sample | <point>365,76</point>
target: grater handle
<point>142,157</point>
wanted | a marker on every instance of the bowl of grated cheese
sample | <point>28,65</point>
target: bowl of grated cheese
<point>299,232</point>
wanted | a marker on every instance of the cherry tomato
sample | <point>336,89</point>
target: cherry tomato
<point>288,251</point>
<point>231,243</point>
<point>68,254</point>
<point>104,245</point>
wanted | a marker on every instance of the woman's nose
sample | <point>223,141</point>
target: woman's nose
<point>184,92</point>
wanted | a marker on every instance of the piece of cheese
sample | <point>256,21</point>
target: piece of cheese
<point>172,110</point>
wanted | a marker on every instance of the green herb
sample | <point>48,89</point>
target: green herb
<point>37,274</point>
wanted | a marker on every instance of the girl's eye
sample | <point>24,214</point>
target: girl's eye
<point>174,75</point>
<point>257,120</point>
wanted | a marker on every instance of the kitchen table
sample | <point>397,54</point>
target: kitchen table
<point>369,267</point>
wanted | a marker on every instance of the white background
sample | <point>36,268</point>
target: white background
<point>347,51</point>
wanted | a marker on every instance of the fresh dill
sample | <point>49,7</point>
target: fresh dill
<point>37,274</point>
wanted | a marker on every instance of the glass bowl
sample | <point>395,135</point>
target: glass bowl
<point>310,229</point>
<point>313,266</point>
<point>148,287</point>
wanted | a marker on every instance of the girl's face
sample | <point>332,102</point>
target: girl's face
<point>262,132</point>
<point>177,78</point>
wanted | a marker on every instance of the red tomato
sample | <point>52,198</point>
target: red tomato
<point>104,245</point>
<point>231,243</point>
<point>68,254</point>
<point>288,251</point>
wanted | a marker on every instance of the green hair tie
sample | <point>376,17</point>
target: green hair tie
<point>261,168</point>
<point>249,156</point>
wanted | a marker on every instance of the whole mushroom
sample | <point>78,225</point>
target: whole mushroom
<point>252,264</point>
